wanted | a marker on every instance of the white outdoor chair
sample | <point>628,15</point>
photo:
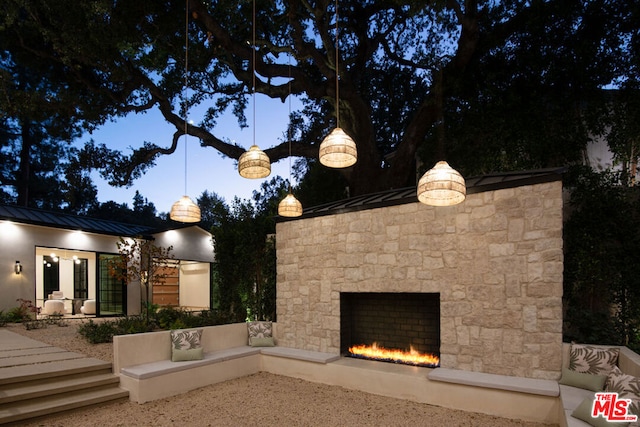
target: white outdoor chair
<point>88,307</point>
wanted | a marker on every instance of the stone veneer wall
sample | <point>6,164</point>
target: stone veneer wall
<point>496,260</point>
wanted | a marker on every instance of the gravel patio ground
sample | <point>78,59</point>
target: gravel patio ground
<point>262,399</point>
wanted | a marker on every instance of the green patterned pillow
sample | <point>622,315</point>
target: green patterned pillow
<point>627,387</point>
<point>185,345</point>
<point>592,360</point>
<point>583,412</point>
<point>260,329</point>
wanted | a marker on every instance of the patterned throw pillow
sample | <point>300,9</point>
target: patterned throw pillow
<point>260,329</point>
<point>185,345</point>
<point>592,360</point>
<point>627,387</point>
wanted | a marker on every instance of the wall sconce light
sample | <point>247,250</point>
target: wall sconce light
<point>18,267</point>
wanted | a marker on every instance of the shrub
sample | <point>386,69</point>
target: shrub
<point>24,312</point>
<point>103,332</point>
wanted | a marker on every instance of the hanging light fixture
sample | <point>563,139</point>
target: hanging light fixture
<point>290,206</point>
<point>254,163</point>
<point>185,210</point>
<point>441,185</point>
<point>338,150</point>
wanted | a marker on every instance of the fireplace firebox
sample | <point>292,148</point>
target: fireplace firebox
<point>395,321</point>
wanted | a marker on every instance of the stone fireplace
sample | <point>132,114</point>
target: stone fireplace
<point>495,261</point>
<point>399,321</point>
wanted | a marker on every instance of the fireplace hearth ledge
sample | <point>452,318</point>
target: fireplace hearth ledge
<point>500,382</point>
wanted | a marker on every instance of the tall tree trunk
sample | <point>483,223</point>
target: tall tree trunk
<point>24,171</point>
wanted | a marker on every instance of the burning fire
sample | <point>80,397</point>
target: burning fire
<point>411,357</point>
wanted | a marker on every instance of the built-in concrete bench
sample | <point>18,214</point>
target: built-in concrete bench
<point>150,374</point>
<point>571,397</point>
<point>304,355</point>
<point>164,367</point>
<point>493,381</point>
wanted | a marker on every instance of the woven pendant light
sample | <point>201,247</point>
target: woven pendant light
<point>442,186</point>
<point>290,206</point>
<point>254,163</point>
<point>185,210</point>
<point>337,149</point>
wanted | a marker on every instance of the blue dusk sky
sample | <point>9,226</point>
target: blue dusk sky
<point>164,183</point>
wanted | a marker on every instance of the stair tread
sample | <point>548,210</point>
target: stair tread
<point>37,388</point>
<point>50,369</point>
<point>21,410</point>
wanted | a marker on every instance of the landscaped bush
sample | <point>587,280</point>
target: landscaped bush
<point>163,319</point>
<point>101,332</point>
<point>24,312</point>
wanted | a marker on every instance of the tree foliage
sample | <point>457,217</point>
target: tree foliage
<point>517,76</point>
<point>141,262</point>
<point>244,241</point>
<point>602,242</point>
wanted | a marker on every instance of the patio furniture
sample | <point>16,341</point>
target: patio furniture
<point>57,295</point>
<point>88,307</point>
<point>53,306</point>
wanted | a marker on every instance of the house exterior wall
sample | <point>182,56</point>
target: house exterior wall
<point>192,243</point>
<point>496,260</point>
<point>19,242</point>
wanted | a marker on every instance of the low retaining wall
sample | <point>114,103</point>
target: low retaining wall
<point>145,358</point>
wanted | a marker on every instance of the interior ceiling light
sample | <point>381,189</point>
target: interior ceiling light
<point>441,185</point>
<point>338,150</point>
<point>185,210</point>
<point>254,163</point>
<point>290,206</point>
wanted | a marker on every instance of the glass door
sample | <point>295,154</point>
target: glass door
<point>51,276</point>
<point>111,291</point>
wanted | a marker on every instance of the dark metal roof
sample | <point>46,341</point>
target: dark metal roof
<point>489,182</point>
<point>71,222</point>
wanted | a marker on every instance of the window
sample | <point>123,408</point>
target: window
<point>51,275</point>
<point>80,278</point>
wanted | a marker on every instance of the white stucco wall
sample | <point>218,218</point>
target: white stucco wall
<point>29,243</point>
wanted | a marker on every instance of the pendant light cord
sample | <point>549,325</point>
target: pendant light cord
<point>253,81</point>
<point>337,72</point>
<point>290,124</point>
<point>439,113</point>
<point>186,89</point>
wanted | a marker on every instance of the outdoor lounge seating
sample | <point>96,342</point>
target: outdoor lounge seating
<point>149,374</point>
<point>572,396</point>
<point>53,307</point>
<point>88,307</point>
<point>56,295</point>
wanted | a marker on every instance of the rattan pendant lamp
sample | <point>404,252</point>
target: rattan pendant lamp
<point>290,206</point>
<point>254,163</point>
<point>338,150</point>
<point>441,185</point>
<point>185,210</point>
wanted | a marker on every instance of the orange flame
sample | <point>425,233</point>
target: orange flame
<point>411,357</point>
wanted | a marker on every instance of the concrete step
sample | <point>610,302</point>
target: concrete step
<point>61,368</point>
<point>50,386</point>
<point>32,408</point>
